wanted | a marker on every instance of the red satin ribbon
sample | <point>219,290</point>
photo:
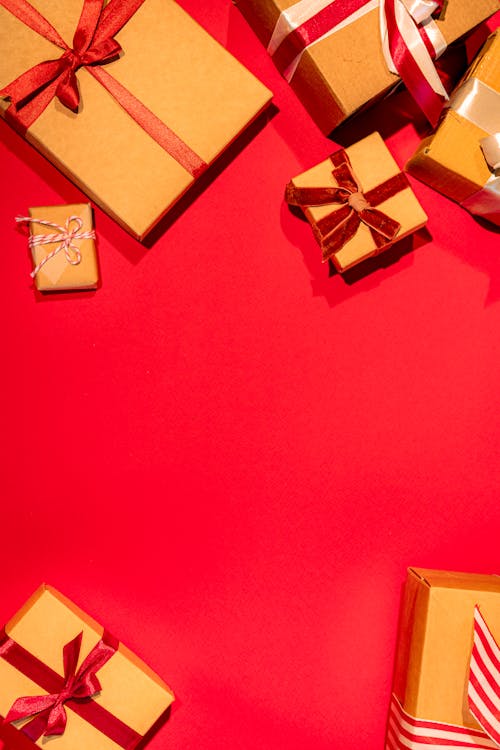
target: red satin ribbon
<point>337,228</point>
<point>325,20</point>
<point>93,46</point>
<point>75,690</point>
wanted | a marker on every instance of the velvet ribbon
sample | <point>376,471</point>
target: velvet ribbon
<point>93,46</point>
<point>405,732</point>
<point>47,712</point>
<point>334,230</point>
<point>408,43</point>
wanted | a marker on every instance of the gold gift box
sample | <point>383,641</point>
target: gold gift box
<point>435,641</point>
<point>451,161</point>
<point>131,691</point>
<point>57,273</point>
<point>372,163</point>
<point>345,71</point>
<point>177,70</point>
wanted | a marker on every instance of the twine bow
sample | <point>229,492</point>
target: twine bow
<point>48,711</point>
<point>338,227</point>
<point>65,236</point>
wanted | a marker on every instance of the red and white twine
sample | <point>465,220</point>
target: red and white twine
<point>64,235</point>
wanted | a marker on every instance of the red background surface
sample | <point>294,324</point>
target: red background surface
<point>230,457</point>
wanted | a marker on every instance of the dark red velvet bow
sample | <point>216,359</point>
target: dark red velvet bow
<point>337,228</point>
<point>48,710</point>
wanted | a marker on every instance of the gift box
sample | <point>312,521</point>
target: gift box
<point>133,109</point>
<point>62,243</point>
<point>357,202</point>
<point>461,160</point>
<point>447,662</point>
<point>332,52</point>
<point>65,679</point>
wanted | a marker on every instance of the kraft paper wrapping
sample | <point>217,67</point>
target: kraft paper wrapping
<point>171,65</point>
<point>131,691</point>
<point>435,641</point>
<point>339,75</point>
<point>373,163</point>
<point>57,273</point>
<point>451,161</point>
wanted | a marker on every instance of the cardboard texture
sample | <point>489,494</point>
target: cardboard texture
<point>173,67</point>
<point>372,163</point>
<point>451,161</point>
<point>435,641</point>
<point>57,274</point>
<point>342,73</point>
<point>131,691</point>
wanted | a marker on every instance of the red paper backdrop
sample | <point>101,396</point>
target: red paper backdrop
<point>230,457</point>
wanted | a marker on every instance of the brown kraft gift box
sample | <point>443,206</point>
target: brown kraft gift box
<point>373,164</point>
<point>57,274</point>
<point>130,691</point>
<point>174,68</point>
<point>435,641</point>
<point>342,73</point>
<point>451,161</point>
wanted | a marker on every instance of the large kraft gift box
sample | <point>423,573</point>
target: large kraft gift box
<point>436,632</point>
<point>132,698</point>
<point>343,72</point>
<point>168,63</point>
<point>376,170</point>
<point>452,161</point>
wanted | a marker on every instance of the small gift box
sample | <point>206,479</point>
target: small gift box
<point>340,55</point>
<point>62,243</point>
<point>357,202</point>
<point>131,99</point>
<point>446,689</point>
<point>462,159</point>
<point>65,678</point>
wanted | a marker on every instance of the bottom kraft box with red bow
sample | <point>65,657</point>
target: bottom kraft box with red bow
<point>446,689</point>
<point>358,202</point>
<point>63,677</point>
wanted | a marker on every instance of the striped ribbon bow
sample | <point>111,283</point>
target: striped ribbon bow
<point>405,732</point>
<point>65,236</point>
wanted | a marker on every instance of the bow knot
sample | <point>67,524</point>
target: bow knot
<point>48,712</point>
<point>358,202</point>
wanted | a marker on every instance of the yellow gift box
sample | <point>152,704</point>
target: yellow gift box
<point>373,166</point>
<point>437,635</point>
<point>131,699</point>
<point>452,161</point>
<point>185,87</point>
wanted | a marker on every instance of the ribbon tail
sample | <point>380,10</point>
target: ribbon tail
<point>408,54</point>
<point>340,236</point>
<point>303,196</point>
<point>151,124</point>
<point>380,223</point>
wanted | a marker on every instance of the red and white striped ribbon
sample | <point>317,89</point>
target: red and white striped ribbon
<point>65,236</point>
<point>405,732</point>
<point>408,33</point>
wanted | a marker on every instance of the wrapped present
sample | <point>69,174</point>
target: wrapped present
<point>357,202</point>
<point>462,159</point>
<point>340,55</point>
<point>131,99</point>
<point>446,689</point>
<point>62,244</point>
<point>63,677</point>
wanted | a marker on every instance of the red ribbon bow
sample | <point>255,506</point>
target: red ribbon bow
<point>48,710</point>
<point>93,45</point>
<point>337,228</point>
